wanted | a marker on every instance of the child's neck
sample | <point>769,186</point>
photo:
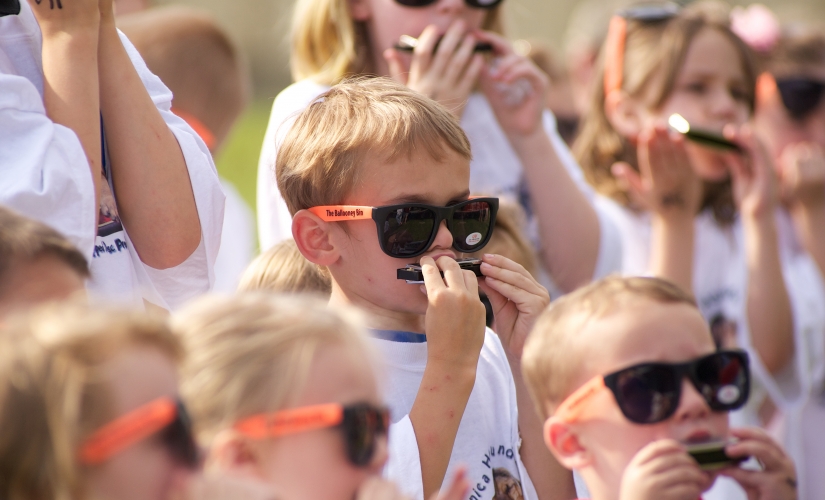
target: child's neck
<point>377,317</point>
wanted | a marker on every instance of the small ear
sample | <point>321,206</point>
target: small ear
<point>360,10</point>
<point>232,452</point>
<point>765,89</point>
<point>624,113</point>
<point>313,239</point>
<point>562,440</point>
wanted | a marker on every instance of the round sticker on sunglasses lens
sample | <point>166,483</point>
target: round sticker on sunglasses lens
<point>473,239</point>
<point>727,394</point>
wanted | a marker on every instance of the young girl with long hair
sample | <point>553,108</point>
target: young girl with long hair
<point>497,93</point>
<point>702,217</point>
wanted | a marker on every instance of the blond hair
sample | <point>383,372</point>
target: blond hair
<point>283,268</point>
<point>654,49</point>
<point>327,44</point>
<point>508,238</point>
<point>251,353</point>
<point>552,353</point>
<point>319,159</point>
<point>53,392</point>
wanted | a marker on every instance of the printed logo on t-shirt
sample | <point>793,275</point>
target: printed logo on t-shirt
<point>498,483</point>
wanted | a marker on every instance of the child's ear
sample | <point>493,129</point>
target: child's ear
<point>360,10</point>
<point>313,239</point>
<point>232,452</point>
<point>563,442</point>
<point>624,113</point>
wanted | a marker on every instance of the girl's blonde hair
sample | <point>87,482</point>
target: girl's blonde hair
<point>327,44</point>
<point>53,392</point>
<point>654,54</point>
<point>251,353</point>
<point>282,268</point>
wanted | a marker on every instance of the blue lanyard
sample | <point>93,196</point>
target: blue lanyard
<point>399,336</point>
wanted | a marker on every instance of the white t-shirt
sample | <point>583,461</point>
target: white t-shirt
<point>237,241</point>
<point>720,287</point>
<point>487,442</point>
<point>495,169</point>
<point>46,177</point>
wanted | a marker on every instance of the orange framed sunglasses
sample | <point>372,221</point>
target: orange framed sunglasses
<point>163,415</point>
<point>362,425</point>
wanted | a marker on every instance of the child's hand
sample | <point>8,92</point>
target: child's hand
<point>66,16</point>
<point>666,183</point>
<point>778,479</point>
<point>447,75</point>
<point>455,319</point>
<point>755,189</point>
<point>663,470</point>
<point>515,87</point>
<point>802,174</point>
<point>378,488</point>
<point>223,487</point>
<point>517,300</point>
<point>458,489</point>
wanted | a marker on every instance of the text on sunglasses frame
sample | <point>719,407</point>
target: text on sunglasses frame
<point>393,245</point>
<point>574,407</point>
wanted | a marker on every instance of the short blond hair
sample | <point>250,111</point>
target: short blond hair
<point>283,268</point>
<point>251,353</point>
<point>320,156</point>
<point>53,392</point>
<point>552,352</point>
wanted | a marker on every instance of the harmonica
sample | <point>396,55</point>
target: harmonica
<point>406,43</point>
<point>712,456</point>
<point>415,276</point>
<point>704,137</point>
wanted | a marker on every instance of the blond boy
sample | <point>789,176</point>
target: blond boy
<point>626,375</point>
<point>376,177</point>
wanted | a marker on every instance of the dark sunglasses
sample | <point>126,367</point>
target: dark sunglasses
<point>648,393</point>
<point>362,425</point>
<point>408,230</point>
<point>165,417</point>
<point>477,4</point>
<point>801,96</point>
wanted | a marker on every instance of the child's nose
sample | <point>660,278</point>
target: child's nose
<point>692,405</point>
<point>443,238</point>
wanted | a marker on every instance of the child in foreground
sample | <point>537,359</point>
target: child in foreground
<point>626,374</point>
<point>373,154</point>
<point>284,389</point>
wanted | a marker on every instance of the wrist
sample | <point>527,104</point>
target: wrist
<point>78,35</point>
<point>529,141</point>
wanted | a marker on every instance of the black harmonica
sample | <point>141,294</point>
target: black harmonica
<point>712,456</point>
<point>407,44</point>
<point>414,275</point>
<point>704,137</point>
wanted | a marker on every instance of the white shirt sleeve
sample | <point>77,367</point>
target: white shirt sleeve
<point>44,173</point>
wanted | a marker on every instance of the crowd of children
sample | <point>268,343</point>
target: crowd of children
<point>639,317</point>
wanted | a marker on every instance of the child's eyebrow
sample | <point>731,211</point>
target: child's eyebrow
<point>426,200</point>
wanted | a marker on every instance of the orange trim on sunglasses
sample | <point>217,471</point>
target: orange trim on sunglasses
<point>291,421</point>
<point>198,126</point>
<point>127,430</point>
<point>614,54</point>
<point>336,213</point>
<point>573,407</point>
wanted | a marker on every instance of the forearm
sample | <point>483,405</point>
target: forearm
<point>71,94</point>
<point>151,180</point>
<point>551,480</point>
<point>671,255</point>
<point>568,224</point>
<point>436,415</point>
<point>809,222</point>
<point>768,305</point>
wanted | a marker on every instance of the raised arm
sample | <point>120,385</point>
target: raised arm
<point>151,180</point>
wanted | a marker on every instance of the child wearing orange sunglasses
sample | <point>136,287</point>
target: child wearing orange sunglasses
<point>284,389</point>
<point>628,379</point>
<point>90,409</point>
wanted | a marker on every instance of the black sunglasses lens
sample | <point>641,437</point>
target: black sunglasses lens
<point>177,436</point>
<point>471,225</point>
<point>723,380</point>
<point>407,231</point>
<point>648,394</point>
<point>363,425</point>
<point>800,96</point>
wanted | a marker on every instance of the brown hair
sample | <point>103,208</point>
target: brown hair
<point>318,161</point>
<point>798,47</point>
<point>251,353</point>
<point>196,59</point>
<point>283,268</point>
<point>53,393</point>
<point>654,54</point>
<point>553,352</point>
<point>27,239</point>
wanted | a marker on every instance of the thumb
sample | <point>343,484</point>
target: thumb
<point>396,67</point>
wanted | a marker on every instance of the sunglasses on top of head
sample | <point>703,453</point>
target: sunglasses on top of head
<point>164,416</point>
<point>801,96</point>
<point>477,4</point>
<point>409,229</point>
<point>649,393</point>
<point>362,425</point>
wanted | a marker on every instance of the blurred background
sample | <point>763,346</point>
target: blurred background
<point>261,29</point>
